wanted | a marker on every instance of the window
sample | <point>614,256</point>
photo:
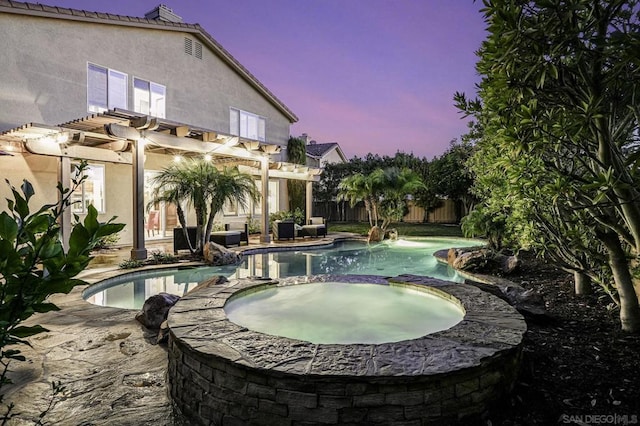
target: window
<point>272,196</point>
<point>149,98</point>
<point>91,191</point>
<point>247,125</point>
<point>106,89</point>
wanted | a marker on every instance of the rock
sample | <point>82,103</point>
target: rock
<point>129,348</point>
<point>391,234</point>
<point>155,310</point>
<point>217,255</point>
<point>508,264</point>
<point>528,302</point>
<point>213,281</point>
<point>375,235</point>
<point>517,295</point>
<point>471,261</point>
<point>163,334</point>
<point>451,255</point>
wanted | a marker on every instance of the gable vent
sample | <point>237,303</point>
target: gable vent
<point>188,46</point>
<point>198,50</point>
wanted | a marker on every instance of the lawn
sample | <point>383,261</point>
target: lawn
<point>404,229</point>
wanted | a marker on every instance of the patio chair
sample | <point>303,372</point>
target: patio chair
<point>180,242</point>
<point>284,229</point>
<point>153,222</point>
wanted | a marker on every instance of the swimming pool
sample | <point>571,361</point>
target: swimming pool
<point>389,258</point>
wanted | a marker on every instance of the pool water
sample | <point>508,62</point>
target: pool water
<point>344,313</point>
<point>390,258</point>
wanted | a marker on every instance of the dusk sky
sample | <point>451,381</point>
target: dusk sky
<point>373,75</point>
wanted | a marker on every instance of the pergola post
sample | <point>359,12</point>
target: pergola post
<point>264,202</point>
<point>139,251</point>
<point>64,177</point>
<point>309,201</point>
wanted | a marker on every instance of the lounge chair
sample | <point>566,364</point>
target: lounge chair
<point>317,227</point>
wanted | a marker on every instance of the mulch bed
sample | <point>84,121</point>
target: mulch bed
<point>580,368</point>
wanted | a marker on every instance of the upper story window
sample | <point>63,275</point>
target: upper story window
<point>91,191</point>
<point>247,125</point>
<point>106,88</point>
<point>149,98</point>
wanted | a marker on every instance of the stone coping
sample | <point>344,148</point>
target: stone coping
<point>489,327</point>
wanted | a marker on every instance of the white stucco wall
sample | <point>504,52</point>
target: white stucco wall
<point>43,79</point>
<point>43,74</point>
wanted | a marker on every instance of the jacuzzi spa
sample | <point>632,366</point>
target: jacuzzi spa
<point>336,349</point>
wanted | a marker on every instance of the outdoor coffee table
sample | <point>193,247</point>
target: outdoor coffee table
<point>226,238</point>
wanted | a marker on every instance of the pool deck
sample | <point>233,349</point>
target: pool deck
<point>111,368</point>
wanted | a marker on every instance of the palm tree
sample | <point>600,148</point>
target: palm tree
<point>200,185</point>
<point>396,185</point>
<point>356,188</point>
<point>383,192</point>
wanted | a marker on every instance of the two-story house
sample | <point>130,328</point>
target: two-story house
<point>129,95</point>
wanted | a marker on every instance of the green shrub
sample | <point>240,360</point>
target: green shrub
<point>297,215</point>
<point>253,225</point>
<point>130,264</point>
<point>160,257</point>
<point>34,264</point>
<point>107,241</point>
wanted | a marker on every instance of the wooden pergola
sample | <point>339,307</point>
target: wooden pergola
<point>120,136</point>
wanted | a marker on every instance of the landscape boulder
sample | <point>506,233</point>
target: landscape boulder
<point>375,235</point>
<point>475,260</point>
<point>482,260</point>
<point>217,255</point>
<point>391,234</point>
<point>155,310</point>
<point>508,264</point>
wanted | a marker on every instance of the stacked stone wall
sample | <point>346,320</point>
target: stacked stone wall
<point>216,391</point>
<point>223,374</point>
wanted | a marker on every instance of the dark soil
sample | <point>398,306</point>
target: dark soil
<point>580,368</point>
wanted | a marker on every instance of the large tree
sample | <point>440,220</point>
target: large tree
<point>560,86</point>
<point>449,178</point>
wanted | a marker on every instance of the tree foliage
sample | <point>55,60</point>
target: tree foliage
<point>34,264</point>
<point>558,162</point>
<point>297,154</point>
<point>383,191</point>
<point>447,177</point>
<point>443,177</point>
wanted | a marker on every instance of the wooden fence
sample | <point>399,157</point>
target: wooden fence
<point>341,212</point>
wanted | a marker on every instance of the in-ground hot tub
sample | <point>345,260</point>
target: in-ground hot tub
<point>221,372</point>
<point>343,313</point>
